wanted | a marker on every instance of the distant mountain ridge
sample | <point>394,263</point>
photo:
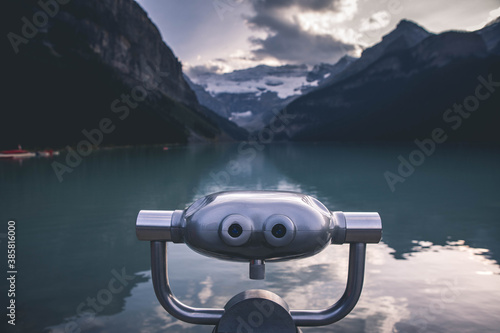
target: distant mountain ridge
<point>251,96</point>
<point>401,88</point>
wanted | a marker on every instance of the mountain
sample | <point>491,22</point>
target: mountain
<point>406,35</point>
<point>92,60</point>
<point>491,35</point>
<point>324,73</point>
<point>250,97</point>
<point>208,100</point>
<point>408,87</point>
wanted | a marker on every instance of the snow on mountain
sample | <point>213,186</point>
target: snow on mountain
<point>249,96</point>
<point>323,73</point>
<point>243,95</point>
<point>285,81</point>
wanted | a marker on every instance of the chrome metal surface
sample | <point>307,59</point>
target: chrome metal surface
<point>301,317</point>
<point>158,225</point>
<point>363,227</point>
<point>307,225</point>
<point>257,269</point>
<point>263,225</point>
<point>282,224</point>
<point>244,223</point>
<point>256,311</point>
<point>164,294</point>
<point>258,226</point>
<point>339,225</point>
<point>154,225</point>
<point>348,300</point>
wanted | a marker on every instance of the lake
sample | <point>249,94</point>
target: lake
<point>436,269</point>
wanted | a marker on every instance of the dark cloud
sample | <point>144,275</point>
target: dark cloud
<point>287,41</point>
<point>301,47</point>
<point>316,5</point>
<point>201,70</point>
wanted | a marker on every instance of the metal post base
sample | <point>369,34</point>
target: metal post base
<point>256,311</point>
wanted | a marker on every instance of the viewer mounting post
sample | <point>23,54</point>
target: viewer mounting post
<point>255,227</point>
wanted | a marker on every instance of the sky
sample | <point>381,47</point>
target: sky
<point>225,35</point>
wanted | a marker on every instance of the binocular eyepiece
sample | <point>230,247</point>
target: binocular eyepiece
<point>235,230</point>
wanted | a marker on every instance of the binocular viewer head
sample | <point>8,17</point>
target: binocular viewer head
<point>258,225</point>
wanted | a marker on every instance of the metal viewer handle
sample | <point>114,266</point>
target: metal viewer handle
<point>164,294</point>
<point>161,225</point>
<point>348,300</point>
<point>356,227</point>
<point>301,317</point>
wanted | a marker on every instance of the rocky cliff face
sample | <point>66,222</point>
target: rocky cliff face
<point>96,59</point>
<point>121,34</point>
<point>208,100</point>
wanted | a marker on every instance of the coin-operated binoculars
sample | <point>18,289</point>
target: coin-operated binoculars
<point>258,227</point>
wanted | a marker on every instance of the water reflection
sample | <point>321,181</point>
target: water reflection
<point>438,261</point>
<point>453,195</point>
<point>434,290</point>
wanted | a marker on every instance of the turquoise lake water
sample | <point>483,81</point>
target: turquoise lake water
<point>436,269</point>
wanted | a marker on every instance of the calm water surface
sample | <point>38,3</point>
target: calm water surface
<point>435,271</point>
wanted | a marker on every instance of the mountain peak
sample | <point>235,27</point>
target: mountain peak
<point>409,30</point>
<point>492,22</point>
<point>406,35</point>
<point>408,23</point>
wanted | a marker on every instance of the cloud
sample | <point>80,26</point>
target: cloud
<point>200,70</point>
<point>302,31</point>
<point>239,59</point>
<point>314,5</point>
<point>376,21</point>
<point>495,13</point>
